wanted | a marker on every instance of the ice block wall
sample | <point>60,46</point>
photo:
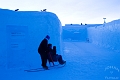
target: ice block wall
<point>21,33</point>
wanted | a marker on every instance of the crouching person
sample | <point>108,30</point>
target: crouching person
<point>53,57</point>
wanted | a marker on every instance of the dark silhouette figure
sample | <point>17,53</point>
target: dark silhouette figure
<point>44,10</point>
<point>16,9</point>
<point>42,50</point>
<point>52,56</point>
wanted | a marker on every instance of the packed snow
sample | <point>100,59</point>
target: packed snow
<point>91,52</point>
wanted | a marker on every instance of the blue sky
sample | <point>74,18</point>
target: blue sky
<point>70,11</point>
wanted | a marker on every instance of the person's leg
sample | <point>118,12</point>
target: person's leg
<point>59,57</point>
<point>44,61</point>
<point>60,60</point>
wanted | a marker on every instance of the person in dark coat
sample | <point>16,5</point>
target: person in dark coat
<point>52,56</point>
<point>42,50</point>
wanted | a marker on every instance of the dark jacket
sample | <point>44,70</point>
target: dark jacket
<point>52,54</point>
<point>54,50</point>
<point>43,46</point>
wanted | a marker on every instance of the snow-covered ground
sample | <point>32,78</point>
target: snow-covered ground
<point>85,61</point>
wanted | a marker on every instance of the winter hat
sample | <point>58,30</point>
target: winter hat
<point>48,37</point>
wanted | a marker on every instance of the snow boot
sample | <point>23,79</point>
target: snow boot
<point>63,62</point>
<point>45,67</point>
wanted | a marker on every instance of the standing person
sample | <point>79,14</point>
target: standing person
<point>42,50</point>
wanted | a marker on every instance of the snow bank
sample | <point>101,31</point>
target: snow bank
<point>21,32</point>
<point>106,35</point>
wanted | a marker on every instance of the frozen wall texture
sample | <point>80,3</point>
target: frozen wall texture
<point>106,35</point>
<point>74,32</point>
<point>21,33</point>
